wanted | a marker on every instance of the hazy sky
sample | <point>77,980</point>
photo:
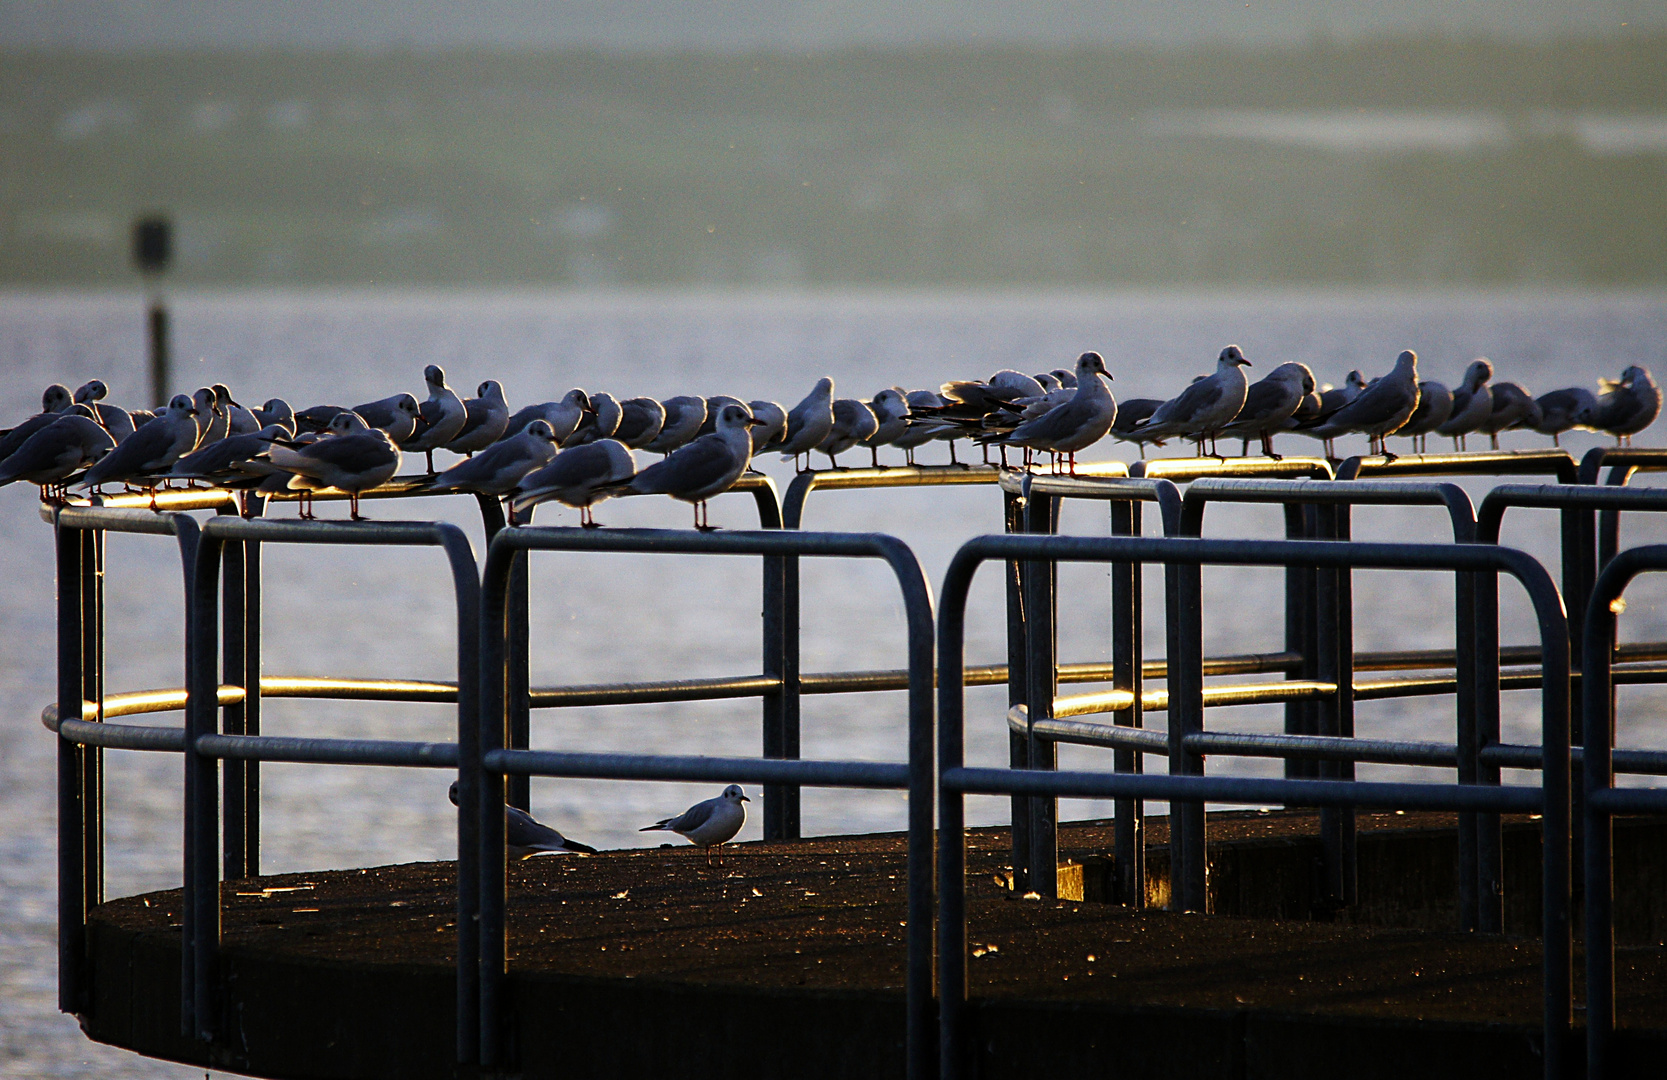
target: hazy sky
<point>735,25</point>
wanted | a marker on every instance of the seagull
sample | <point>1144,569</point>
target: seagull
<point>1079,422</point>
<point>578,476</point>
<point>1626,407</point>
<point>1435,405</point>
<point>315,418</point>
<point>703,468</point>
<point>772,421</point>
<point>213,415</point>
<point>1203,409</point>
<point>1512,406</point>
<point>526,836</point>
<point>501,467</point>
<point>808,423</point>
<point>276,411</point>
<point>485,416</point>
<point>150,449</point>
<point>1472,404</point>
<point>640,421</point>
<point>684,416</point>
<point>1269,403</point>
<point>563,416</point>
<point>891,413</point>
<point>1562,410</point>
<point>219,460</point>
<point>853,421</point>
<point>599,422</point>
<point>439,419</point>
<point>354,458</point>
<point>54,401</point>
<point>714,405</point>
<point>923,428</point>
<point>115,420</point>
<point>1127,424</point>
<point>397,415</point>
<point>1384,406</point>
<point>1316,423</point>
<point>711,823</point>
<point>55,451</point>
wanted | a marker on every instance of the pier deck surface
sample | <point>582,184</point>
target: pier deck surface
<point>823,917</point>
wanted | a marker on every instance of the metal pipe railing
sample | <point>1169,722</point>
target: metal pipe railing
<point>482,775</point>
<point>1551,799</point>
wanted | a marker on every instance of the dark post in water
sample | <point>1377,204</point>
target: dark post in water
<point>153,246</point>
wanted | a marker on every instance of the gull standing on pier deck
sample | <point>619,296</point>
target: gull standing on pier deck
<point>1384,406</point>
<point>711,823</point>
<point>151,449</point>
<point>1202,410</point>
<point>808,423</point>
<point>439,419</point>
<point>526,836</point>
<point>1472,404</point>
<point>704,468</point>
<point>354,457</point>
<point>580,477</point>
<point>1079,423</point>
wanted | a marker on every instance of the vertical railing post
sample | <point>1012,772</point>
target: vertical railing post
<point>1018,689</point>
<point>251,698</point>
<point>234,662</point>
<point>1335,664</point>
<point>1188,854</point>
<point>1490,881</point>
<point>1299,638</point>
<point>1041,647</point>
<point>488,815</point>
<point>1468,742</point>
<point>779,823</point>
<point>72,865</point>
<point>92,689</point>
<point>518,684</point>
<point>781,801</point>
<point>1127,655</point>
<point>201,899</point>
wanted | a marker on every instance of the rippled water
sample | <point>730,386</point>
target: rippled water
<point>598,618</point>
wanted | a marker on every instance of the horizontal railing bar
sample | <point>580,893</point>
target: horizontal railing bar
<point>1322,747</point>
<point>329,751</point>
<point>862,774</point>
<point>1240,789</point>
<point>122,736</point>
<point>1628,800</point>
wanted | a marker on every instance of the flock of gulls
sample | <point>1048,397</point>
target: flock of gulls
<point>579,450</point>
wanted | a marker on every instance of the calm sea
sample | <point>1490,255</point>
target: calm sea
<point>599,618</point>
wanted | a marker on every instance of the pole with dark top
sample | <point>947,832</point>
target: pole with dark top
<point>153,248</point>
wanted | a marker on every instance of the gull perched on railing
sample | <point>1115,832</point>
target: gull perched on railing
<point>706,467</point>
<point>485,416</point>
<point>808,423</point>
<point>1563,410</point>
<point>684,416</point>
<point>1383,406</point>
<point>397,415</point>
<point>1435,405</point>
<point>711,823</point>
<point>354,457</point>
<point>152,448</point>
<point>439,419</point>
<point>578,476</point>
<point>1625,407</point>
<point>1077,423</point>
<point>500,468</point>
<point>526,836</point>
<point>563,416</point>
<point>1202,410</point>
<point>1269,404</point>
<point>1472,404</point>
<point>57,450</point>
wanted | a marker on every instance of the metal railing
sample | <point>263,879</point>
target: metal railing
<point>481,781</point>
<point>1188,792</point>
<point>1604,800</point>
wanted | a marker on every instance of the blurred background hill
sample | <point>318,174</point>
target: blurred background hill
<point>830,144</point>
